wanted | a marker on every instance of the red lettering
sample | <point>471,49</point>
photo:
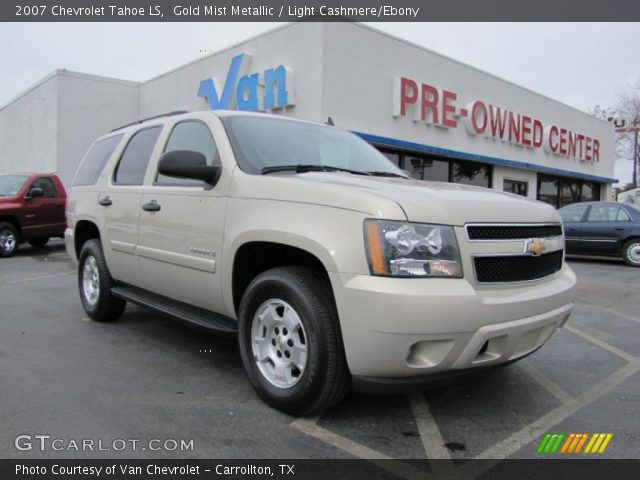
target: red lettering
<point>498,121</point>
<point>429,103</point>
<point>448,108</point>
<point>563,141</point>
<point>479,108</point>
<point>514,128</point>
<point>408,94</point>
<point>553,145</point>
<point>571,151</point>
<point>596,150</point>
<point>526,130</point>
<point>537,133</point>
<point>587,149</point>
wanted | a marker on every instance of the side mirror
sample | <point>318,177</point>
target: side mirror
<point>34,193</point>
<point>188,164</point>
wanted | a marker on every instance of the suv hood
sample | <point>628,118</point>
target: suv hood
<point>421,201</point>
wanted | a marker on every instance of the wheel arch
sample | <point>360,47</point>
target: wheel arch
<point>84,230</point>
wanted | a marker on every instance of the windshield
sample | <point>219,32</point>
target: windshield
<point>260,143</point>
<point>10,185</point>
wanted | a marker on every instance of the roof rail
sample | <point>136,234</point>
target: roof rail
<point>169,114</point>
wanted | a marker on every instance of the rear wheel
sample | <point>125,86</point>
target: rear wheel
<point>631,252</point>
<point>8,239</point>
<point>290,341</point>
<point>38,242</point>
<point>95,282</point>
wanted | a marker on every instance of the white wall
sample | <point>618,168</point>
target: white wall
<point>89,107</point>
<point>28,130</point>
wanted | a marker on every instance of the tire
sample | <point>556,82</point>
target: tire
<point>9,239</point>
<point>631,252</point>
<point>293,311</point>
<point>38,242</point>
<point>94,285</point>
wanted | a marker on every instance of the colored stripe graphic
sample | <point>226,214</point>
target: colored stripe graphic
<point>574,442</point>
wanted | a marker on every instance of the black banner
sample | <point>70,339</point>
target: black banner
<point>318,469</point>
<point>316,10</point>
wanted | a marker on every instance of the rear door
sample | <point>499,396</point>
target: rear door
<point>604,228</point>
<point>119,205</point>
<point>572,217</point>
<point>181,226</point>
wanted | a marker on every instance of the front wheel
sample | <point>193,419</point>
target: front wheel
<point>290,341</point>
<point>631,252</point>
<point>95,282</point>
<point>8,239</point>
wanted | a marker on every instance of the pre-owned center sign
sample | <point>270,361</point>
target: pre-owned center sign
<point>433,106</point>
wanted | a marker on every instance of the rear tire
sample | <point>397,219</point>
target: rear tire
<point>38,242</point>
<point>94,284</point>
<point>290,341</point>
<point>9,239</point>
<point>631,252</point>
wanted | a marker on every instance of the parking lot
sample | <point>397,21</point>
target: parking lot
<point>149,377</point>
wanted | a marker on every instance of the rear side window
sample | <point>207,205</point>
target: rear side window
<point>134,160</point>
<point>95,160</point>
<point>191,135</point>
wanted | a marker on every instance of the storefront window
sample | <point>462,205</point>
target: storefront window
<point>590,192</point>
<point>570,191</point>
<point>515,186</point>
<point>393,156</point>
<point>427,168</point>
<point>548,189</point>
<point>471,173</point>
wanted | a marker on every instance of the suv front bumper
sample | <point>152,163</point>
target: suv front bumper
<point>404,328</point>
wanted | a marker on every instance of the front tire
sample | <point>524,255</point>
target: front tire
<point>631,252</point>
<point>94,284</point>
<point>9,239</point>
<point>290,341</point>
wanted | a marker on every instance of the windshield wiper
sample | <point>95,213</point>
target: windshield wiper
<point>386,174</point>
<point>309,168</point>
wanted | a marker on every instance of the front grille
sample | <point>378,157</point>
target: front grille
<point>512,232</point>
<point>517,268</point>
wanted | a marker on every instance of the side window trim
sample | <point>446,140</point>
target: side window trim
<point>124,150</point>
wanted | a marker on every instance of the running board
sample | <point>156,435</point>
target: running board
<point>194,315</point>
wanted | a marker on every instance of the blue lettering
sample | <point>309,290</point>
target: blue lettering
<point>208,90</point>
<point>275,78</point>
<point>247,95</point>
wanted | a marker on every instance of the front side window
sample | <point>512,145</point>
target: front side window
<point>48,189</point>
<point>259,143</point>
<point>10,185</point>
<point>191,135</point>
<point>133,162</point>
<point>607,213</point>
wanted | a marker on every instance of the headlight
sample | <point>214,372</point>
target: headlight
<point>401,249</point>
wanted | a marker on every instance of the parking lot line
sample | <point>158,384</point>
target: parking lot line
<point>428,428</point>
<point>620,314</point>
<point>531,432</point>
<point>602,344</point>
<point>41,277</point>
<point>549,385</point>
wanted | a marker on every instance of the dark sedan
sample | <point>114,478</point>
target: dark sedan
<point>603,228</point>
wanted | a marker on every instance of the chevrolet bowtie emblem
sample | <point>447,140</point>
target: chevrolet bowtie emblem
<point>535,247</point>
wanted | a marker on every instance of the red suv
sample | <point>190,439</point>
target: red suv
<point>32,209</point>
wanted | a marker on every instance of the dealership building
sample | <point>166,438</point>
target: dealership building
<point>433,116</point>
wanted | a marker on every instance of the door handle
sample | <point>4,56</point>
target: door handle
<point>619,228</point>
<point>152,206</point>
<point>105,202</point>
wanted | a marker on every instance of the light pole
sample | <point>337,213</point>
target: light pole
<point>635,129</point>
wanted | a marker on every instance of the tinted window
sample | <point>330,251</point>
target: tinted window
<point>515,186</point>
<point>573,213</point>
<point>607,213</point>
<point>428,168</point>
<point>570,191</point>
<point>48,189</point>
<point>548,189</point>
<point>194,136</point>
<point>471,173</point>
<point>95,160</point>
<point>134,160</point>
